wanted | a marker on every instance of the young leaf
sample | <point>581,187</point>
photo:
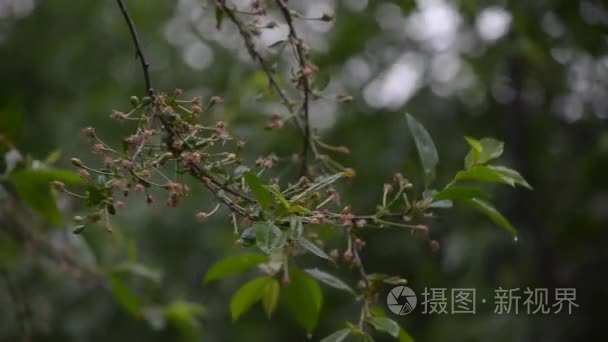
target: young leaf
<point>329,279</point>
<point>123,295</point>
<point>385,324</point>
<point>185,316</point>
<point>33,187</point>
<point>319,185</point>
<point>233,265</point>
<point>482,151</point>
<point>270,297</point>
<point>279,198</point>
<point>337,336</point>
<point>426,148</point>
<point>404,336</point>
<point>487,209</point>
<point>247,295</point>
<point>494,174</point>
<point>457,193</point>
<point>139,270</point>
<point>474,143</point>
<point>268,236</point>
<point>258,190</point>
<point>304,299</point>
<point>314,249</point>
<point>511,174</point>
<point>296,229</point>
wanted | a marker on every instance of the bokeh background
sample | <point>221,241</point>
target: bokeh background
<point>531,73</point>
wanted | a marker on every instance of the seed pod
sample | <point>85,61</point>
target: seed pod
<point>134,101</point>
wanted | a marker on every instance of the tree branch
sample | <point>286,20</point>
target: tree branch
<point>138,50</point>
<point>274,85</point>
<point>304,79</point>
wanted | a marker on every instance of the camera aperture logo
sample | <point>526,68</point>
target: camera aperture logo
<point>401,300</point>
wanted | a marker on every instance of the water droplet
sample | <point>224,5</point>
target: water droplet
<point>309,336</point>
<point>515,239</point>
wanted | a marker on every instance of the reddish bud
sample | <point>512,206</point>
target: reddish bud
<point>201,216</point>
<point>434,246</point>
<point>84,174</point>
<point>57,185</point>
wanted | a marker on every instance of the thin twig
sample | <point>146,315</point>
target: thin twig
<point>246,35</point>
<point>138,50</point>
<point>304,67</point>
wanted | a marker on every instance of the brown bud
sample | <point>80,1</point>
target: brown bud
<point>57,185</point>
<point>84,174</point>
<point>89,132</point>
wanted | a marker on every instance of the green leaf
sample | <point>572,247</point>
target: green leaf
<point>311,247</point>
<point>493,174</point>
<point>139,270</point>
<point>247,237</point>
<point>329,279</point>
<point>270,298</point>
<point>426,148</point>
<point>185,316</point>
<point>318,185</point>
<point>53,157</point>
<point>487,209</point>
<point>482,151</point>
<point>34,188</point>
<point>247,295</point>
<point>457,193</point>
<point>304,299</point>
<point>511,174</point>
<point>233,265</point>
<point>296,229</point>
<point>123,295</point>
<point>268,236</point>
<point>258,190</point>
<point>385,324</point>
<point>404,336</point>
<point>279,198</point>
<point>474,143</point>
<point>337,336</point>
